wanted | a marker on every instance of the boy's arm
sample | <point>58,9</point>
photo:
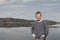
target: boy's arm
<point>32,29</point>
<point>46,28</point>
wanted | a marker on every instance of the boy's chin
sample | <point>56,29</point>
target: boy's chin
<point>38,20</point>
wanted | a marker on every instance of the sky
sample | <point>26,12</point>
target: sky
<point>26,9</point>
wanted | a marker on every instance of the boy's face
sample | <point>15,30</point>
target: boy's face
<point>38,17</point>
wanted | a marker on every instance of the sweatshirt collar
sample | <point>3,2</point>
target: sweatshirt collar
<point>40,20</point>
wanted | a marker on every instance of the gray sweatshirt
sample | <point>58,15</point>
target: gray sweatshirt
<point>39,28</point>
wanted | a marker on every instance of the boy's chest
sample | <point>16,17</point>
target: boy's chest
<point>38,25</point>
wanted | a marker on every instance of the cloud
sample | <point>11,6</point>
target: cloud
<point>26,1</point>
<point>14,6</point>
<point>17,14</point>
<point>5,1</point>
<point>21,8</point>
<point>2,1</point>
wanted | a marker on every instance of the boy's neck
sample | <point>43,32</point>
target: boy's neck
<point>40,20</point>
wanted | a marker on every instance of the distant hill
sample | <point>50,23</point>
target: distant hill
<point>50,22</point>
<point>13,22</point>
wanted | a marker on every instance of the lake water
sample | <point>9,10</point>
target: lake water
<point>24,33</point>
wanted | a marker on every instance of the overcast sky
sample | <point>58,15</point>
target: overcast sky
<point>25,9</point>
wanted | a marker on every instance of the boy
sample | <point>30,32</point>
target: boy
<point>39,28</point>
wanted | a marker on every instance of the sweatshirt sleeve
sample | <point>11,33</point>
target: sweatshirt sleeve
<point>32,29</point>
<point>46,28</point>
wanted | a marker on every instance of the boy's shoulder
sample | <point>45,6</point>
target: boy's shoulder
<point>34,22</point>
<point>44,21</point>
